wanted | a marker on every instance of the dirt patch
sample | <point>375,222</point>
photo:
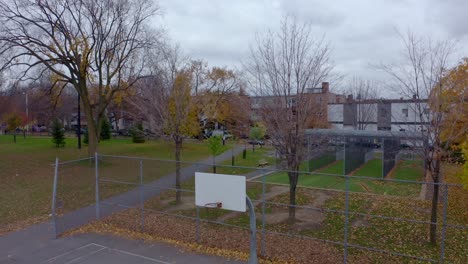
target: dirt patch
<point>360,223</point>
<point>187,203</point>
<point>365,187</point>
<point>319,198</point>
<point>305,218</point>
<point>274,191</point>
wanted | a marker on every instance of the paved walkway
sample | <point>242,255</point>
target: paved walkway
<point>132,198</point>
<point>37,243</point>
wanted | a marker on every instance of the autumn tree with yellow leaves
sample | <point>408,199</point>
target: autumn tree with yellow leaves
<point>454,103</point>
<point>424,74</point>
<point>96,46</point>
<point>220,96</point>
<point>181,120</point>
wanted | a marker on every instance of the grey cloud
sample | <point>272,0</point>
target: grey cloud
<point>450,14</point>
<point>313,11</point>
<point>362,32</point>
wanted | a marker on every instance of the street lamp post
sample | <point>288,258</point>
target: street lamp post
<point>27,112</point>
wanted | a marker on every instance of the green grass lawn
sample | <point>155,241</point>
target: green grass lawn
<point>322,161</point>
<point>26,173</point>
<point>251,160</point>
<point>322,178</point>
<point>411,170</point>
<point>372,168</point>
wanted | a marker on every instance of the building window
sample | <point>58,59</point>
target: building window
<point>291,102</point>
<point>404,111</point>
<point>384,128</point>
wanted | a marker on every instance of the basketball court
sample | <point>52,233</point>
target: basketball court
<point>96,253</point>
<point>34,245</point>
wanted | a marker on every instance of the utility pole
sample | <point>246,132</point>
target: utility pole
<point>79,123</point>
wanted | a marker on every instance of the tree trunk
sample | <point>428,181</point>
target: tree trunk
<point>214,164</point>
<point>435,203</point>
<point>178,146</point>
<point>14,136</point>
<point>92,136</point>
<point>292,195</point>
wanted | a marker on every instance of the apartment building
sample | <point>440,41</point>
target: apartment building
<point>320,96</point>
<point>378,114</point>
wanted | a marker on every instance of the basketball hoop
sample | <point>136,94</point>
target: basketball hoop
<point>214,205</point>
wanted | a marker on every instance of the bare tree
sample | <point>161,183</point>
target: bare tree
<point>166,100</point>
<point>364,94</point>
<point>422,75</point>
<point>281,67</point>
<point>96,46</point>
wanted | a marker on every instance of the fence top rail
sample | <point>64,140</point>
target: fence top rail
<point>271,169</point>
<point>72,161</point>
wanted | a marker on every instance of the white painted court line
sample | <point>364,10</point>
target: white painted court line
<point>69,252</point>
<point>84,256</point>
<point>134,255</point>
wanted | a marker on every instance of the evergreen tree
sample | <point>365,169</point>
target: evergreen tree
<point>138,136</point>
<point>105,129</point>
<point>85,137</point>
<point>58,135</point>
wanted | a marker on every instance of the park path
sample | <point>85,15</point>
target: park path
<point>132,198</point>
<point>40,238</point>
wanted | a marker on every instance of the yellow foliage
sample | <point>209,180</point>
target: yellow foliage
<point>182,115</point>
<point>452,100</point>
<point>464,176</point>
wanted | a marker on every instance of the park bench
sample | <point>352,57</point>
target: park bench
<point>263,163</point>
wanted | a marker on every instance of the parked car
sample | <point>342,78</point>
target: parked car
<point>256,142</point>
<point>124,132</point>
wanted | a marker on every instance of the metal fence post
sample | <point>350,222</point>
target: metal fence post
<point>197,234</point>
<point>444,224</point>
<point>344,155</point>
<point>308,154</point>
<point>96,172</point>
<point>54,196</point>
<point>197,231</point>
<point>142,205</point>
<point>253,232</point>
<point>383,158</point>
<point>263,212</point>
<point>345,258</point>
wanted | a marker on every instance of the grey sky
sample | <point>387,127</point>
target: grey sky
<point>361,32</point>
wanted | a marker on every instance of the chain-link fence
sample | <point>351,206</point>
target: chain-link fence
<point>333,217</point>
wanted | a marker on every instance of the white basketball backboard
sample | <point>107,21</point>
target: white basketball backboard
<point>220,188</point>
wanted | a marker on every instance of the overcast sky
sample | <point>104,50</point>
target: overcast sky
<point>362,32</point>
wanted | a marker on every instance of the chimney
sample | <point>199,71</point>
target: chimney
<point>325,87</point>
<point>414,96</point>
